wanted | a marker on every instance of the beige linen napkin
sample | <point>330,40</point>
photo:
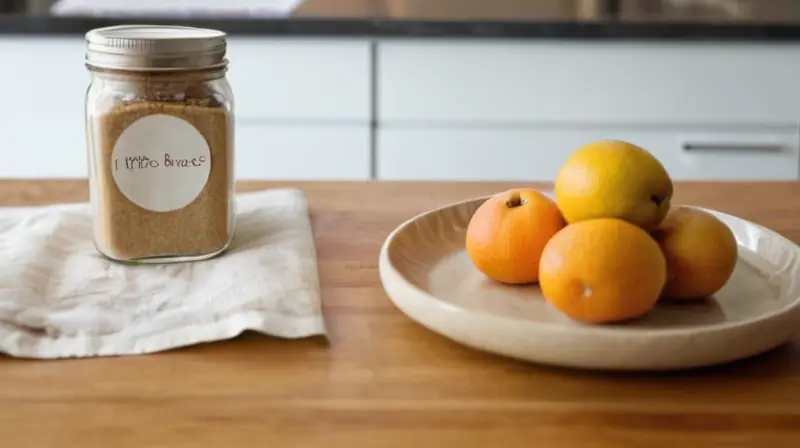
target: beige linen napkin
<point>59,298</point>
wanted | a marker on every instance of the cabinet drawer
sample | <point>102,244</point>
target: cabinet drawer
<point>589,83</point>
<point>37,148</point>
<point>303,153</point>
<point>262,152</point>
<point>42,78</point>
<point>533,154</point>
<point>272,79</point>
<point>285,79</point>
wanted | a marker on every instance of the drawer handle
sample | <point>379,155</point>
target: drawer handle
<point>738,147</point>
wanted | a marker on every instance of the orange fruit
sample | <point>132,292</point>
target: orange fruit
<point>613,179</point>
<point>602,270</point>
<point>508,232</point>
<point>701,253</point>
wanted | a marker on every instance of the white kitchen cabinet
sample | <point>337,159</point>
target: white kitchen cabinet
<point>43,83</point>
<point>303,152</point>
<point>302,107</point>
<point>301,79</point>
<point>262,151</point>
<point>50,146</point>
<point>536,154</point>
<point>272,78</point>
<point>42,78</point>
<point>525,82</point>
<point>446,110</point>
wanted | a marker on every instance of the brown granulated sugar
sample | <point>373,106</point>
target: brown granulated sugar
<point>126,231</point>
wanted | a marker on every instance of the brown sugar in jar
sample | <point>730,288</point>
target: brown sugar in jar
<point>160,141</point>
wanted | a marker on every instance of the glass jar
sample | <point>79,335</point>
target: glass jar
<point>159,130</point>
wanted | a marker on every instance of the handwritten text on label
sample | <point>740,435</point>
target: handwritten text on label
<point>144,162</point>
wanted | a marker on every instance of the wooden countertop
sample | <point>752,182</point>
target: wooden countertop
<point>384,381</point>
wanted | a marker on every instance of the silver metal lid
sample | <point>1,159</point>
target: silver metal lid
<point>154,47</point>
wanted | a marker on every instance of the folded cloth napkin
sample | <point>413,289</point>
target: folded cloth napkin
<point>59,298</point>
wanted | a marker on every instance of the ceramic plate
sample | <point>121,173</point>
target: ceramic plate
<point>427,274</point>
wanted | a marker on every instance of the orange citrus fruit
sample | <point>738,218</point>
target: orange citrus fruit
<point>602,270</point>
<point>507,233</point>
<point>701,253</point>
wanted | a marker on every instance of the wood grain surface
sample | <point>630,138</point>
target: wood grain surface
<point>381,380</point>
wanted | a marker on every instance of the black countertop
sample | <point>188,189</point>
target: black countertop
<point>559,19</point>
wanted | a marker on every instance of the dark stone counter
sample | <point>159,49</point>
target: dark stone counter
<point>519,19</point>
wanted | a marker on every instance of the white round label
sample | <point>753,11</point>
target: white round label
<point>161,163</point>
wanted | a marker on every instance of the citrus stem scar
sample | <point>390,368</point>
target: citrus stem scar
<point>515,200</point>
<point>657,199</point>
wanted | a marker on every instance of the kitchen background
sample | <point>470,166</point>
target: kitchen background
<point>441,89</point>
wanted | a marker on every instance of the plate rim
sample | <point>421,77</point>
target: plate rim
<point>386,268</point>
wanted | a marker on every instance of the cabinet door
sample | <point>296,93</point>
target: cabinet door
<point>42,78</point>
<point>300,79</point>
<point>602,83</point>
<point>537,154</point>
<point>44,85</point>
<point>262,152</point>
<point>280,85</point>
<point>302,152</point>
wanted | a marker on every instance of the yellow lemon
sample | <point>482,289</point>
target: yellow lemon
<point>613,179</point>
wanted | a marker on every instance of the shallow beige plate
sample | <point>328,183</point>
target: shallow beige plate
<point>426,273</point>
